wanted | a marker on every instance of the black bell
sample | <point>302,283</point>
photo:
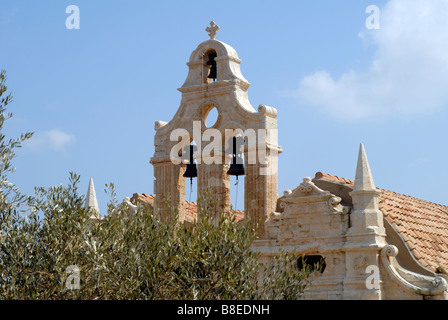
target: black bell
<point>212,63</point>
<point>191,171</point>
<point>236,169</point>
<point>237,166</point>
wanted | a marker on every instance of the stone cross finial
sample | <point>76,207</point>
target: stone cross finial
<point>212,30</point>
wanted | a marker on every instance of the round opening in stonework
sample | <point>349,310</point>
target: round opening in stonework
<point>211,118</point>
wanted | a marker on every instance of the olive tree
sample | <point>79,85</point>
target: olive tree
<point>10,197</point>
<point>52,248</point>
<point>141,255</point>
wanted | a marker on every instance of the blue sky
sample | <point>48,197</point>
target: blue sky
<point>92,95</point>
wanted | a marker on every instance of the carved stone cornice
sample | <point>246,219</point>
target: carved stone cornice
<point>218,87</point>
<point>163,159</point>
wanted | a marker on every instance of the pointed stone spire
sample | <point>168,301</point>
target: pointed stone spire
<point>366,235</point>
<point>363,178</point>
<point>366,213</point>
<point>91,201</point>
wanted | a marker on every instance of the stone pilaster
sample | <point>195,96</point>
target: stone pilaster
<point>213,178</point>
<point>169,189</point>
<point>261,189</point>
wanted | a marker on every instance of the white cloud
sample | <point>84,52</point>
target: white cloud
<point>53,139</point>
<point>408,74</point>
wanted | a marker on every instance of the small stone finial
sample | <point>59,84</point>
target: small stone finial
<point>363,178</point>
<point>91,201</point>
<point>212,30</point>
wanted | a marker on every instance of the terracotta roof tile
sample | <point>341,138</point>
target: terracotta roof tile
<point>191,208</point>
<point>423,225</point>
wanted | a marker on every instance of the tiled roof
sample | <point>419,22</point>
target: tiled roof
<point>423,225</point>
<point>191,208</point>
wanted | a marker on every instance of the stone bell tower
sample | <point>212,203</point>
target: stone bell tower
<point>215,81</point>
